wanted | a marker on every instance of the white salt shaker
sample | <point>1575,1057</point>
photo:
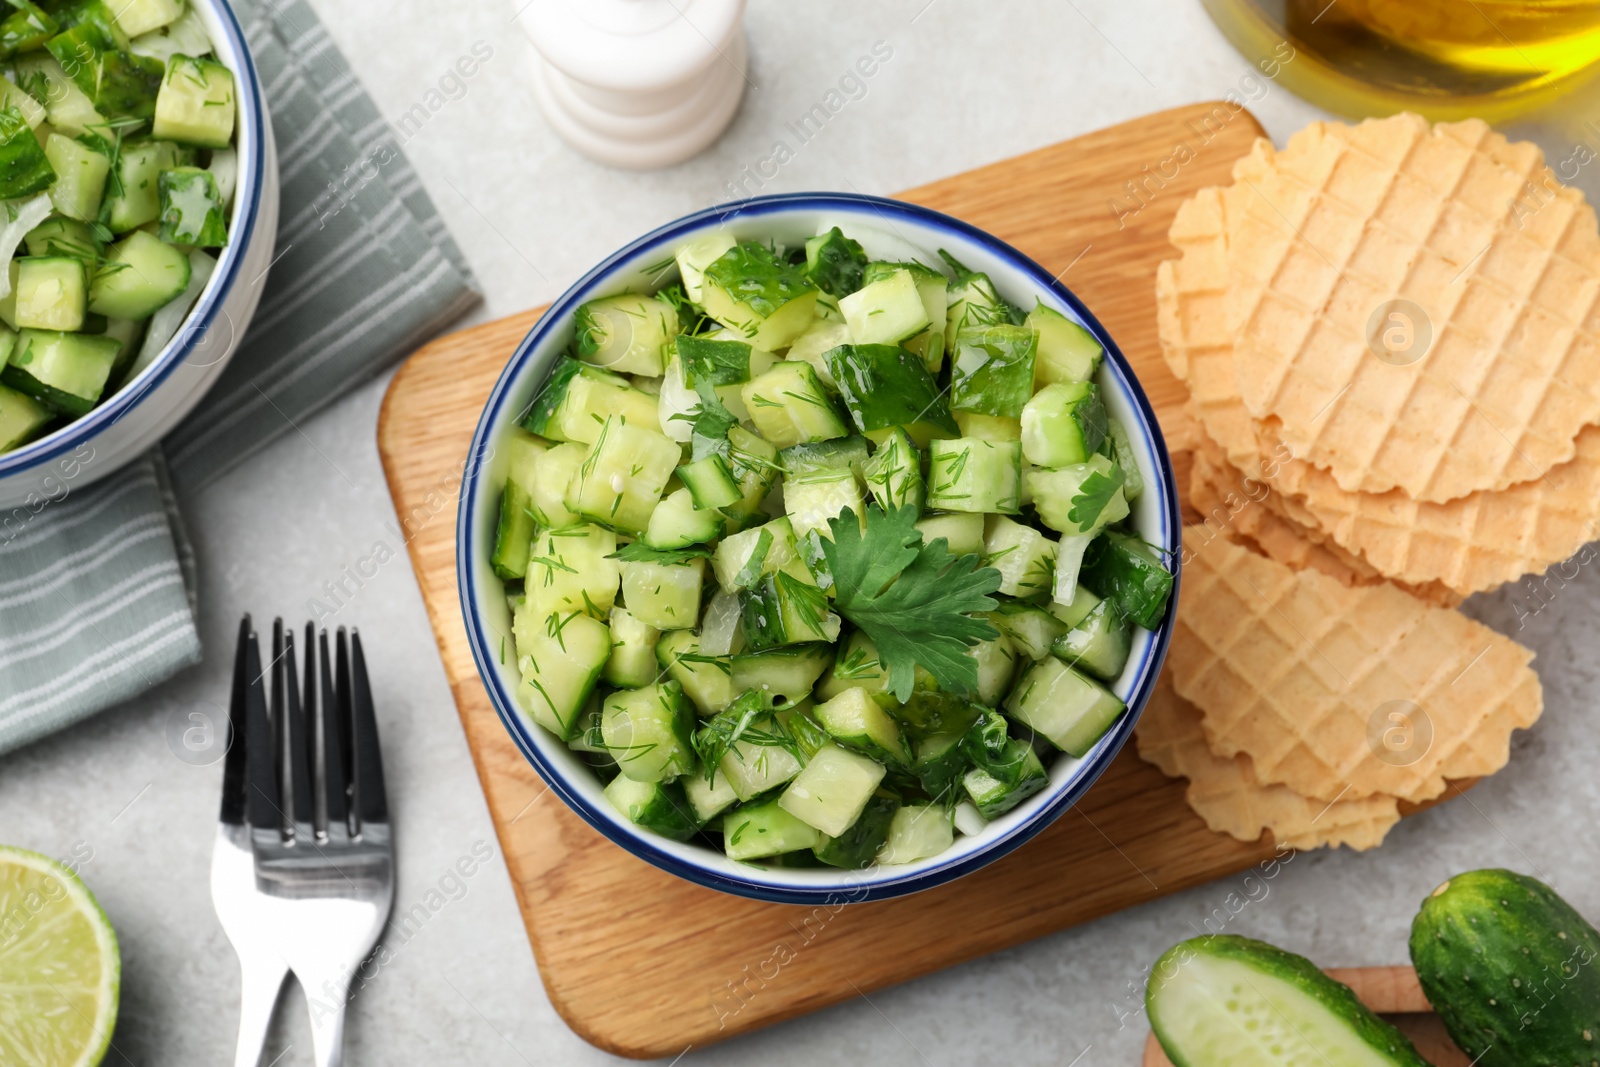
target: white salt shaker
<point>638,83</point>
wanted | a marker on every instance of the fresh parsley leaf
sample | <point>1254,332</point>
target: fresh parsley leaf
<point>915,600</point>
<point>639,552</point>
<point>1093,496</point>
<point>711,426</point>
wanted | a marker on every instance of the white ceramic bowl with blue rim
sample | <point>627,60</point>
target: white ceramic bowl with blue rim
<point>126,424</point>
<point>888,229</point>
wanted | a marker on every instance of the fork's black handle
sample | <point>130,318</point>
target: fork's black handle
<point>233,767</point>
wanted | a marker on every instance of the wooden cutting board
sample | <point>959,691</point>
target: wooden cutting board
<point>643,964</point>
<point>1392,992</point>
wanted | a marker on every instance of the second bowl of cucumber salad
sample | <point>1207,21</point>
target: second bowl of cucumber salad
<point>819,547</point>
<point>140,200</point>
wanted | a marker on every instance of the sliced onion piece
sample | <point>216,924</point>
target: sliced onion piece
<point>720,630</point>
<point>20,217</point>
<point>168,319</point>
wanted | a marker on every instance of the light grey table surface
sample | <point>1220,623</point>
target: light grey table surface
<point>965,86</point>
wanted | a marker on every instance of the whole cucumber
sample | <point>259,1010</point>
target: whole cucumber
<point>1512,970</point>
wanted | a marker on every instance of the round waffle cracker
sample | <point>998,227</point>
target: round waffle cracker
<point>1225,792</point>
<point>1348,219</point>
<point>1304,675</point>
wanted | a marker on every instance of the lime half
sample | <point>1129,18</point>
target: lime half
<point>60,972</point>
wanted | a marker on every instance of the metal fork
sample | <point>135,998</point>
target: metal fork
<point>318,824</point>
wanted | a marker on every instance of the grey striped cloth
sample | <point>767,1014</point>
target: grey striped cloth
<point>96,587</point>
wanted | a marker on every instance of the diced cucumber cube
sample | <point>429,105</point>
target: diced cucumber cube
<point>709,798</point>
<point>988,427</point>
<point>1127,459</point>
<point>765,829</point>
<point>835,263</point>
<point>135,17</point>
<point>886,311</point>
<point>632,662</point>
<point>749,290</point>
<point>969,474</point>
<point>191,208</point>
<point>620,481</point>
<point>933,289</point>
<point>832,790</point>
<point>884,386</point>
<point>1123,567</point>
<point>195,105</point>
<point>973,301</point>
<point>626,334</point>
<point>710,482</point>
<point>743,559</point>
<point>570,569</point>
<point>141,273</point>
<point>962,531</point>
<point>812,500</point>
<point>80,177</point>
<point>24,168</point>
<point>821,337</point>
<point>858,846</point>
<point>1024,557</point>
<point>13,95</point>
<point>664,595</point>
<point>66,371</point>
<point>1099,644</point>
<point>577,399</point>
<point>844,453</point>
<point>754,769</point>
<point>894,474</point>
<point>997,665</point>
<point>119,83</point>
<point>659,807</point>
<point>561,657</point>
<point>855,666</point>
<point>25,29</point>
<point>782,610</point>
<point>783,676</point>
<point>789,407</point>
<point>694,257</point>
<point>991,370</point>
<point>1080,498</point>
<point>706,680</point>
<point>1068,709</point>
<point>677,522</point>
<point>1064,423</point>
<point>1032,629</point>
<point>647,730</point>
<point>916,832</point>
<point>21,416</point>
<point>51,293</point>
<point>754,463</point>
<point>994,796</point>
<point>1074,611</point>
<point>552,474</point>
<point>940,763</point>
<point>514,532</point>
<point>857,721</point>
<point>69,110</point>
<point>1067,351</point>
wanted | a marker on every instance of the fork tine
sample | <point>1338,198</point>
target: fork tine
<point>234,770</point>
<point>263,774</point>
<point>297,771</point>
<point>369,796</point>
<point>331,799</point>
<point>346,740</point>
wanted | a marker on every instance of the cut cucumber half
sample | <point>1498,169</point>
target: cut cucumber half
<point>61,971</point>
<point>141,273</point>
<point>1226,1001</point>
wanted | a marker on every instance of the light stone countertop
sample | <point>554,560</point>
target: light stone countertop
<point>960,90</point>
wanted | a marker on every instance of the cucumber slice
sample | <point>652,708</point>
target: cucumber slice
<point>710,482</point>
<point>813,499</point>
<point>1024,557</point>
<point>57,236</point>
<point>788,406</point>
<point>916,832</point>
<point>1062,424</point>
<point>195,103</point>
<point>677,522</point>
<point>832,790</point>
<point>560,657</point>
<point>21,417</point>
<point>940,763</point>
<point>706,680</point>
<point>821,337</point>
<point>991,370</point>
<point>66,371</point>
<point>135,17</point>
<point>1067,351</point>
<point>648,731</point>
<point>576,400</point>
<point>664,595</point>
<point>1068,709</point>
<point>884,386</point>
<point>838,454</point>
<point>857,721</point>
<point>934,290</point>
<point>894,473</point>
<point>659,807</point>
<point>139,275</point>
<point>191,208</point>
<point>856,665</point>
<point>783,610</point>
<point>514,532</point>
<point>783,676</point>
<point>1099,644</point>
<point>69,110</point>
<point>750,291</point>
<point>994,796</point>
<point>708,798</point>
<point>754,463</point>
<point>626,334</point>
<point>632,663</point>
<point>989,427</point>
<point>1126,458</point>
<point>969,474</point>
<point>119,83</point>
<point>886,311</point>
<point>743,559</point>
<point>963,533</point>
<point>835,263</point>
<point>25,29</point>
<point>766,829</point>
<point>997,665</point>
<point>1081,498</point>
<point>24,168</point>
<point>694,257</point>
<point>1123,567</point>
<point>571,569</point>
<point>51,293</point>
<point>1033,630</point>
<point>753,769</point>
<point>553,472</point>
<point>1074,611</point>
<point>858,846</point>
<point>621,479</point>
<point>1228,1001</point>
<point>134,198</point>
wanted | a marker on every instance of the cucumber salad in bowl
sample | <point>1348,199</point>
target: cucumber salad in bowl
<point>819,559</point>
<point>117,168</point>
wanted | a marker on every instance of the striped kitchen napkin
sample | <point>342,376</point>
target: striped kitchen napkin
<point>96,588</point>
